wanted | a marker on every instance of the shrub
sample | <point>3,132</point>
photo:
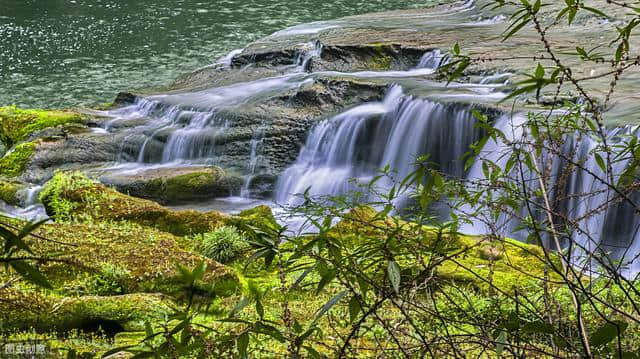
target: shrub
<point>224,244</point>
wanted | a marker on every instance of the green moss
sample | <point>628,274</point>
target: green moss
<point>469,260</point>
<point>25,309</point>
<point>71,196</point>
<point>15,162</point>
<point>381,63</point>
<point>9,192</point>
<point>116,258</point>
<point>380,57</point>
<point>17,124</point>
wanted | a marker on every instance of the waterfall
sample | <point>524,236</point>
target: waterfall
<point>257,147</point>
<point>349,149</point>
<point>597,219</point>
<point>433,60</point>
<point>187,127</point>
<point>304,56</point>
<point>359,142</point>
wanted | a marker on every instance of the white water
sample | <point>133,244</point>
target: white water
<point>359,142</point>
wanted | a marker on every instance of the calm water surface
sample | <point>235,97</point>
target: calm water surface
<point>63,53</point>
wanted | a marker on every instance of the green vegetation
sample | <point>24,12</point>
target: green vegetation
<point>9,192</point>
<point>17,124</point>
<point>15,162</point>
<point>71,196</point>
<point>223,244</point>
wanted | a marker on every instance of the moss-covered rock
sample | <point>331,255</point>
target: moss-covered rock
<point>26,309</point>
<point>71,196</point>
<point>17,124</point>
<point>10,191</point>
<point>169,185</point>
<point>118,258</point>
<point>472,260</point>
<point>16,160</point>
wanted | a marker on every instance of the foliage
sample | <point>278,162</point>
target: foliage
<point>224,244</point>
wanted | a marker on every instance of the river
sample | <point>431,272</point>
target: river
<point>66,53</point>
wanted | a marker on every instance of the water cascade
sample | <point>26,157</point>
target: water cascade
<point>350,149</point>
<point>359,142</point>
<point>607,223</point>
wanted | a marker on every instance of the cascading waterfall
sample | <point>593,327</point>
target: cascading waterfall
<point>359,142</point>
<point>303,58</point>
<point>607,225</point>
<point>184,127</point>
<point>351,147</point>
<point>257,147</point>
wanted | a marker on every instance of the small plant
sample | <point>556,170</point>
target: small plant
<point>224,244</point>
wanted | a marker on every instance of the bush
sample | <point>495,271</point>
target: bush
<point>224,244</point>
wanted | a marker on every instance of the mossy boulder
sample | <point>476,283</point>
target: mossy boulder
<point>17,159</point>
<point>121,257</point>
<point>71,196</point>
<point>17,124</point>
<point>27,309</point>
<point>169,185</point>
<point>476,261</point>
<point>10,191</point>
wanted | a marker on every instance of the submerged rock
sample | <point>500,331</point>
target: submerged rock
<point>174,185</point>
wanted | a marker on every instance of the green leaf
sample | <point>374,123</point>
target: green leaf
<point>539,74</point>
<point>516,29</point>
<point>608,332</point>
<point>538,327</point>
<point>600,162</point>
<point>595,11</point>
<point>312,352</point>
<point>243,343</point>
<point>30,273</point>
<point>325,308</point>
<point>259,309</point>
<point>393,271</point>
<point>199,270</point>
<point>148,329</point>
<point>354,308</point>
<point>500,342</point>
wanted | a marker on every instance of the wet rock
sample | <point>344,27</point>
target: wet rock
<point>170,186</point>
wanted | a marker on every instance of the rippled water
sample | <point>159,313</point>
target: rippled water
<point>60,53</point>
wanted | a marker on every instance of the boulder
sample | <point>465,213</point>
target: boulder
<point>10,191</point>
<point>175,185</point>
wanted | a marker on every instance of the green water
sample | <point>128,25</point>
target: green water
<point>63,53</point>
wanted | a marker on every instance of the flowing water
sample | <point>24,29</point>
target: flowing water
<point>62,53</point>
<point>90,50</point>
